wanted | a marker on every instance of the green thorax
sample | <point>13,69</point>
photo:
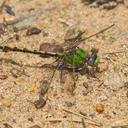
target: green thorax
<point>77,57</point>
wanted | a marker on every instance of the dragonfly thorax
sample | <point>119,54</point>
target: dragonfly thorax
<point>75,58</point>
<point>80,57</point>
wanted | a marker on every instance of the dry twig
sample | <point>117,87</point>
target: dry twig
<point>84,117</point>
<point>83,123</point>
<point>61,119</point>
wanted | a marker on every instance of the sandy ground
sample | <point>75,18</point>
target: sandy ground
<point>20,85</point>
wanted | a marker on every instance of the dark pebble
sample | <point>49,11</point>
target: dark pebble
<point>9,10</point>
<point>40,103</point>
<point>51,47</point>
<point>69,104</point>
<point>30,119</point>
<point>33,31</point>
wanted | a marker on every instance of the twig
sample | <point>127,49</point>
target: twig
<point>61,119</point>
<point>83,123</point>
<point>4,43</point>
<point>75,113</point>
<point>15,49</point>
<point>102,82</point>
<point>124,51</point>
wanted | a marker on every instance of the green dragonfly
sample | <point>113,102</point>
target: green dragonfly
<point>69,56</point>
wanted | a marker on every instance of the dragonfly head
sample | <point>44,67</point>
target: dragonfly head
<point>92,57</point>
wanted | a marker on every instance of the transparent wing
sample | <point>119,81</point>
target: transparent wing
<point>74,37</point>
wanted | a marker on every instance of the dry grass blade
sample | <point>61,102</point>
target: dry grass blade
<point>121,126</point>
<point>92,122</point>
<point>83,123</point>
<point>61,119</point>
<point>97,33</point>
<point>115,52</point>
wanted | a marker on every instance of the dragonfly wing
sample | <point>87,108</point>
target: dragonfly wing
<point>74,42</point>
<point>72,37</point>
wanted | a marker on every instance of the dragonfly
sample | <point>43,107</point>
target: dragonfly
<point>68,56</point>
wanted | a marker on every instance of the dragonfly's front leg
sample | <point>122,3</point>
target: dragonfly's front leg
<point>54,66</point>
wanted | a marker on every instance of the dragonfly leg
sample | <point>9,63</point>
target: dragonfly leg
<point>73,86</point>
<point>84,69</point>
<point>61,76</point>
<point>52,65</point>
<point>57,66</point>
<point>73,75</point>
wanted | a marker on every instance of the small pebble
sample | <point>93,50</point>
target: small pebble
<point>110,5</point>
<point>30,119</point>
<point>99,108</point>
<point>107,4</point>
<point>33,31</point>
<point>6,102</point>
